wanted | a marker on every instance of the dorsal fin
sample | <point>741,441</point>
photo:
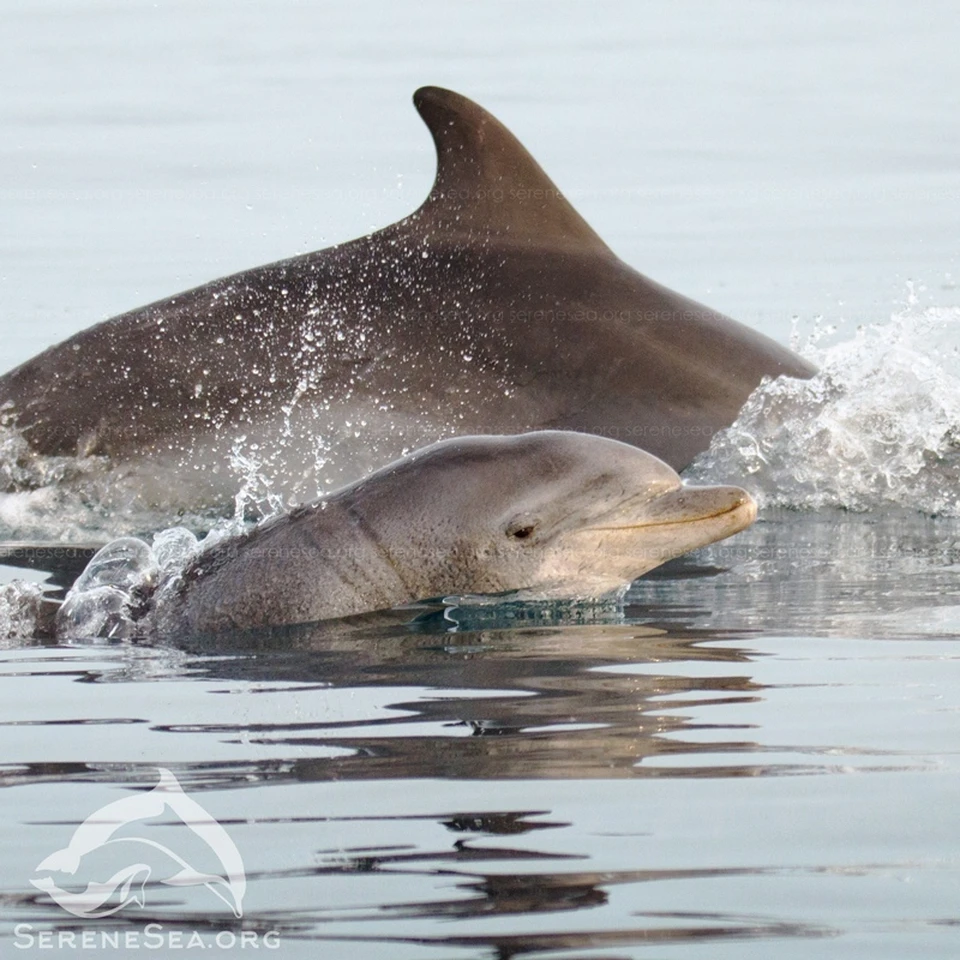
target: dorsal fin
<point>487,184</point>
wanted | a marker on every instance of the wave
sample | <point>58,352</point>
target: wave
<point>879,425</point>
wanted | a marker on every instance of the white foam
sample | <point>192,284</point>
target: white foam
<point>19,611</point>
<point>878,425</point>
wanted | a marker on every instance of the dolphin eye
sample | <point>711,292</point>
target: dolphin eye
<point>521,529</point>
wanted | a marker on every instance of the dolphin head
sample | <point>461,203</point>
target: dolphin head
<point>546,515</point>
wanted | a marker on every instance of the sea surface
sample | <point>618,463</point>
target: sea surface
<point>759,754</point>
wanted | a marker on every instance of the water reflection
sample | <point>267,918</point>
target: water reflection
<point>520,702</point>
<point>484,782</point>
<point>824,574</point>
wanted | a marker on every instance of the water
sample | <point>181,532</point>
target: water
<point>758,756</point>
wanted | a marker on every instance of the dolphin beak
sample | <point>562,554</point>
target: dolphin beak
<point>674,523</point>
<point>693,504</point>
<point>730,508</point>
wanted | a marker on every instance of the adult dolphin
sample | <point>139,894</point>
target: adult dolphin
<point>549,514</point>
<point>494,308</point>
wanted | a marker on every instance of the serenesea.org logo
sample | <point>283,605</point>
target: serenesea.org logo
<point>111,865</point>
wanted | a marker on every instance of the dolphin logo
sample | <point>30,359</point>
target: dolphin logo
<point>126,886</point>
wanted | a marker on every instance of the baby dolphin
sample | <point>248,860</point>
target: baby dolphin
<point>493,308</point>
<point>542,515</point>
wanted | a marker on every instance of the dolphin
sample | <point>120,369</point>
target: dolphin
<point>539,516</point>
<point>493,308</point>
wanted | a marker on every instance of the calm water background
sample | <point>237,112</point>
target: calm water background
<point>761,757</point>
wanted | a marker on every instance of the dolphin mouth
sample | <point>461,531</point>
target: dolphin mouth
<point>692,505</point>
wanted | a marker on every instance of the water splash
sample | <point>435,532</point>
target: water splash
<point>260,472</point>
<point>126,578</point>
<point>878,425</point>
<point>104,601</point>
<point>257,495</point>
<point>173,549</point>
<point>22,469</point>
<point>20,611</point>
<point>71,499</point>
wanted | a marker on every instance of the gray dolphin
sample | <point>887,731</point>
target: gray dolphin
<point>494,308</point>
<point>550,514</point>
